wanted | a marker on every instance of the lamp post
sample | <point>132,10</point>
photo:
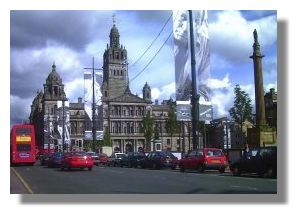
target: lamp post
<point>195,97</point>
<point>93,104</point>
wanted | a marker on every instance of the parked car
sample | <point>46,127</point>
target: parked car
<point>44,158</point>
<point>262,160</point>
<point>132,159</point>
<point>103,158</point>
<point>159,160</point>
<point>77,160</point>
<point>204,159</point>
<point>114,159</point>
<point>55,160</point>
<point>95,157</point>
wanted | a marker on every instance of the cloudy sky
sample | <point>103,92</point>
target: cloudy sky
<point>71,38</point>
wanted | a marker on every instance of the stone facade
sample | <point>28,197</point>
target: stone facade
<point>77,124</point>
<point>123,112</point>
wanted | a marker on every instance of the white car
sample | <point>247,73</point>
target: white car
<point>115,158</point>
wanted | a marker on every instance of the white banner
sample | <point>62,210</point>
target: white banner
<point>183,57</point>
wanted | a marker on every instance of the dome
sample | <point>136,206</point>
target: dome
<point>114,31</point>
<point>53,76</point>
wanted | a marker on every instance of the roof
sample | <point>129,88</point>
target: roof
<point>76,106</point>
<point>128,97</point>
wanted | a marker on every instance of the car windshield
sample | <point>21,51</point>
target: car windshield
<point>78,154</point>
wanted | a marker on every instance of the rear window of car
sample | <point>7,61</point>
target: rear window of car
<point>214,153</point>
<point>78,153</point>
<point>120,155</point>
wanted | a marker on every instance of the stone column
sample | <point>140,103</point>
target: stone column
<point>258,77</point>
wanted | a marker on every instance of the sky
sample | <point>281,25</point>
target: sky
<point>72,38</point>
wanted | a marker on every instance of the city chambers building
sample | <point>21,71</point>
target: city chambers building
<point>123,112</point>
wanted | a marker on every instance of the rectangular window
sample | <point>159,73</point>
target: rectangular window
<point>23,131</point>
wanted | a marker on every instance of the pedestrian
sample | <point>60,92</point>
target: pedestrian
<point>247,152</point>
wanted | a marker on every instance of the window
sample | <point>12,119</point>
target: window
<point>168,142</point>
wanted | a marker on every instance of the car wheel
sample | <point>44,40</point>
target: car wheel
<point>129,165</point>
<point>90,168</point>
<point>269,172</point>
<point>222,170</point>
<point>62,168</point>
<point>182,168</point>
<point>154,166</point>
<point>173,167</point>
<point>236,171</point>
<point>200,168</point>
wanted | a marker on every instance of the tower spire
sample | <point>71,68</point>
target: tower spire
<point>54,66</point>
<point>114,19</point>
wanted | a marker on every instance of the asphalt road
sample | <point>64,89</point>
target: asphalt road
<point>115,180</point>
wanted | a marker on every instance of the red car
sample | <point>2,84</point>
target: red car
<point>103,158</point>
<point>77,160</point>
<point>203,159</point>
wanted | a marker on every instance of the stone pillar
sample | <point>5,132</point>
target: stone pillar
<point>258,77</point>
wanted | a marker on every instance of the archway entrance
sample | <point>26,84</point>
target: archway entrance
<point>129,148</point>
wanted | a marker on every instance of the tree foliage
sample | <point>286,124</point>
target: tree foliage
<point>242,108</point>
<point>148,129</point>
<point>172,125</point>
<point>106,140</point>
<point>88,145</point>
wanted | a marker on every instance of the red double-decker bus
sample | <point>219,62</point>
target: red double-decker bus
<point>22,144</point>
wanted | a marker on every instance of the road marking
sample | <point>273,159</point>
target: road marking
<point>22,181</point>
<point>247,187</point>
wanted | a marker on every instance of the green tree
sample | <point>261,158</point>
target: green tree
<point>171,123</point>
<point>242,108</point>
<point>88,145</point>
<point>148,130</point>
<point>106,140</point>
<point>156,132</point>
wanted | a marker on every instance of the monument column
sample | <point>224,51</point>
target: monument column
<point>258,77</point>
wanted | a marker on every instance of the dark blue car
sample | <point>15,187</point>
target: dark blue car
<point>55,160</point>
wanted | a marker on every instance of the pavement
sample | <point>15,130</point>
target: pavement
<point>17,184</point>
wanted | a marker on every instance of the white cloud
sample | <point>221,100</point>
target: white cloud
<point>222,95</point>
<point>74,89</point>
<point>217,84</point>
<point>270,85</point>
<point>231,36</point>
<point>165,92</point>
